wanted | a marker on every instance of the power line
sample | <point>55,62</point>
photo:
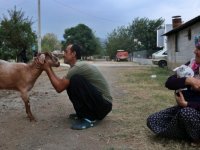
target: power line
<point>84,13</point>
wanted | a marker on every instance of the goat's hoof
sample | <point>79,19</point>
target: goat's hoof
<point>32,119</point>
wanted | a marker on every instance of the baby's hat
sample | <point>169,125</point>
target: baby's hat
<point>184,71</point>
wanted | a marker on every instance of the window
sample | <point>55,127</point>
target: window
<point>189,34</point>
<point>176,43</point>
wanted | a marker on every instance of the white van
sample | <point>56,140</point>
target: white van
<point>160,58</point>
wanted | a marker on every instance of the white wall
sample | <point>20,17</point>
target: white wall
<point>185,46</point>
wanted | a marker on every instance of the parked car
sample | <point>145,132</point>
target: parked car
<point>121,55</point>
<point>160,58</point>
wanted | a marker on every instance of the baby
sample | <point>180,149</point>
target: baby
<point>183,71</point>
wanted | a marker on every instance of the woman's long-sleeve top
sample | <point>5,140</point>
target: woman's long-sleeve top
<point>192,96</point>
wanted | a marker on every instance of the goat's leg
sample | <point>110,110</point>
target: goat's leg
<point>25,98</point>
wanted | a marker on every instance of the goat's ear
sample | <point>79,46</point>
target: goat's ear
<point>49,54</point>
<point>41,58</point>
<point>38,54</point>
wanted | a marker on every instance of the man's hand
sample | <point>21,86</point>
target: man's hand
<point>38,63</point>
<point>46,66</point>
<point>42,65</point>
<point>181,100</point>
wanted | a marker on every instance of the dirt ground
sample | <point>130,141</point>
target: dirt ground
<point>52,129</point>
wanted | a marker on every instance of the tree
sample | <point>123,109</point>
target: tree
<point>118,40</point>
<point>140,35</point>
<point>50,42</point>
<point>145,31</point>
<point>83,36</point>
<point>16,35</point>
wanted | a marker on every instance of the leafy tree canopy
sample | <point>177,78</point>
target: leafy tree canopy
<point>50,42</point>
<point>83,36</point>
<point>16,34</point>
<point>139,35</point>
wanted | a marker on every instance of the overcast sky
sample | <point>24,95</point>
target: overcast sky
<point>102,16</point>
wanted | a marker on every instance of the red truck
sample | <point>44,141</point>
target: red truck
<point>121,55</point>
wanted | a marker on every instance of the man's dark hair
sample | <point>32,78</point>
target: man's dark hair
<point>77,49</point>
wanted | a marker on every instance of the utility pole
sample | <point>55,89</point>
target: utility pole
<point>39,28</point>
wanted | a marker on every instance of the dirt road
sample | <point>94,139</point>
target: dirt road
<point>52,129</point>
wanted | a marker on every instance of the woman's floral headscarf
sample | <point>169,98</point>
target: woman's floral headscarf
<point>197,41</point>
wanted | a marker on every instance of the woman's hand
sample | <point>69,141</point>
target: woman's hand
<point>193,82</point>
<point>181,100</point>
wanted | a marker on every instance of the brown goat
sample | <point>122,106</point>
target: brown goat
<point>22,77</point>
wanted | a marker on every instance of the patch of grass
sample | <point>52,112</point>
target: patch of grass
<point>144,76</point>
